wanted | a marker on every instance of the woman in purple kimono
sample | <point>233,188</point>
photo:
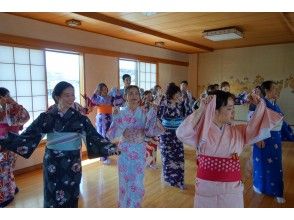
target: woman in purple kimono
<point>129,127</point>
<point>12,117</point>
<point>172,111</point>
<point>104,104</point>
<point>65,127</point>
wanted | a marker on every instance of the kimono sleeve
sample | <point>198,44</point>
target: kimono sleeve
<point>153,127</point>
<point>260,124</point>
<point>193,135</point>
<point>287,132</point>
<point>20,116</point>
<point>116,129</point>
<point>96,145</point>
<point>25,143</point>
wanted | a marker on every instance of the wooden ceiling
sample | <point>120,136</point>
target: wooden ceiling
<point>178,30</point>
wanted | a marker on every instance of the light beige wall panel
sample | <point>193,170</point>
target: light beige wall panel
<point>244,68</point>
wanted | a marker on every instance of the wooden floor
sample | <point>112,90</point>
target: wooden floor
<point>100,183</point>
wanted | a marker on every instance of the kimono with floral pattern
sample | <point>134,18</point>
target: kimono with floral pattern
<point>172,149</point>
<point>11,120</point>
<point>131,161</point>
<point>61,168</point>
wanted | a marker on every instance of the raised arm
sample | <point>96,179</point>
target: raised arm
<point>194,129</point>
<point>261,122</point>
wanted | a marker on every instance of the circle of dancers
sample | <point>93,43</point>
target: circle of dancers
<point>134,125</point>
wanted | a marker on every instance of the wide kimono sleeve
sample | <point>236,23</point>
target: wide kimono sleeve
<point>96,145</point>
<point>19,115</point>
<point>287,132</point>
<point>193,135</point>
<point>27,142</point>
<point>153,127</point>
<point>259,126</point>
<point>117,127</point>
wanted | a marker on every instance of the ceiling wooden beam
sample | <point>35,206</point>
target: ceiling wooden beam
<point>288,22</point>
<point>43,44</point>
<point>132,26</point>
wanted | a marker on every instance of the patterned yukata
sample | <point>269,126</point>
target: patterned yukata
<point>267,161</point>
<point>118,97</point>
<point>218,181</point>
<point>11,121</point>
<point>172,149</point>
<point>104,113</point>
<point>131,161</point>
<point>62,161</point>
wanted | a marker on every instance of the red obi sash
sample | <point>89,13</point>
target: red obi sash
<point>104,109</point>
<point>5,128</point>
<point>218,168</point>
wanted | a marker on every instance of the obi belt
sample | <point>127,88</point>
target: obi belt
<point>64,141</point>
<point>218,168</point>
<point>172,123</point>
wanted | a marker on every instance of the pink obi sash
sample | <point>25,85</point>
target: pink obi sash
<point>5,128</point>
<point>218,168</point>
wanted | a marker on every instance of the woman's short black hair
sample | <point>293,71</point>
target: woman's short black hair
<point>131,87</point>
<point>210,89</point>
<point>224,84</point>
<point>222,98</point>
<point>125,76</point>
<point>59,88</point>
<point>3,91</point>
<point>171,90</point>
<point>147,92</point>
<point>266,86</point>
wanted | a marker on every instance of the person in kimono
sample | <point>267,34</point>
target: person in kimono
<point>129,128</point>
<point>219,143</point>
<point>151,142</point>
<point>186,93</point>
<point>12,118</point>
<point>104,104</point>
<point>118,94</point>
<point>172,111</point>
<point>267,154</point>
<point>65,127</point>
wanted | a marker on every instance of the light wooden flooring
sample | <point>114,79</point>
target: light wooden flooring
<point>100,183</point>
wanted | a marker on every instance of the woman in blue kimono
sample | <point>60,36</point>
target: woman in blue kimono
<point>267,154</point>
<point>172,111</point>
<point>65,127</point>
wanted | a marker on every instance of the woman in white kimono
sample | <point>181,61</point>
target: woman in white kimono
<point>219,144</point>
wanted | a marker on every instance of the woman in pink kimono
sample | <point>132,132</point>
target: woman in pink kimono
<point>129,127</point>
<point>219,144</point>
<point>12,117</point>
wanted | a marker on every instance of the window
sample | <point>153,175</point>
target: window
<point>23,74</point>
<point>143,74</point>
<point>62,67</point>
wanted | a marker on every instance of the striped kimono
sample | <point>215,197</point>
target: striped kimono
<point>11,121</point>
<point>172,149</point>
<point>131,161</point>
<point>62,161</point>
<point>267,161</point>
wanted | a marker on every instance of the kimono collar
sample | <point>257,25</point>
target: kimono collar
<point>55,111</point>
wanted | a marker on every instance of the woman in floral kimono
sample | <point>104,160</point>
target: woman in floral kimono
<point>267,155</point>
<point>219,144</point>
<point>172,111</point>
<point>104,104</point>
<point>129,127</point>
<point>151,142</point>
<point>64,127</point>
<point>12,117</point>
